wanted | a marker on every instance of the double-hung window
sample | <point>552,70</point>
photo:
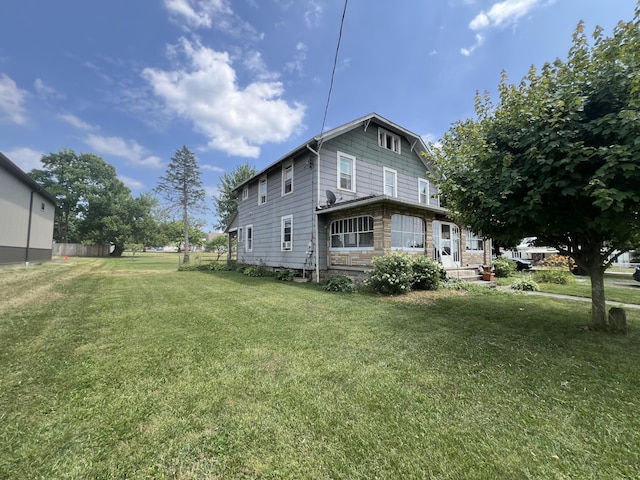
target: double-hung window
<point>245,193</point>
<point>248,244</point>
<point>474,241</point>
<point>262,191</point>
<point>388,140</point>
<point>346,172</point>
<point>286,233</point>
<point>390,182</point>
<point>423,191</point>
<point>407,233</point>
<point>287,178</point>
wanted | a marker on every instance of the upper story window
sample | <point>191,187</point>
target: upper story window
<point>390,182</point>
<point>434,200</point>
<point>474,241</point>
<point>287,178</point>
<point>423,191</point>
<point>388,140</point>
<point>245,193</point>
<point>352,233</point>
<point>346,172</point>
<point>407,233</point>
<point>262,191</point>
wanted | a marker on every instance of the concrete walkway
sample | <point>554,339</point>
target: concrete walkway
<point>582,299</point>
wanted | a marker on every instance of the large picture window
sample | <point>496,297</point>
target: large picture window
<point>407,233</point>
<point>354,232</point>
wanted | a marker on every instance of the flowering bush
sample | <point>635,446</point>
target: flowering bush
<point>427,274</point>
<point>339,283</point>
<point>391,274</point>
<point>525,285</point>
<point>504,267</point>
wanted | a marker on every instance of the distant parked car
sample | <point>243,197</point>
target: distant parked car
<point>636,274</point>
<point>522,264</point>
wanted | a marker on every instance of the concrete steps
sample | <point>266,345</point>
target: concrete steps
<point>469,274</point>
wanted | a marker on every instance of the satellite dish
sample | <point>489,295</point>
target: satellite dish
<point>331,198</point>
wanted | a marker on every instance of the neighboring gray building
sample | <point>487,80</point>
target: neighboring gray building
<point>26,216</point>
<point>348,195</point>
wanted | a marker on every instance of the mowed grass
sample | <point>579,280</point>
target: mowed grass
<point>110,369</point>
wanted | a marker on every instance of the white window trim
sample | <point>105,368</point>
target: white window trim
<point>477,238</point>
<point>282,242</point>
<point>245,193</point>
<point>385,133</point>
<point>407,248</point>
<point>386,170</point>
<point>355,232</point>
<point>353,171</point>
<point>266,190</point>
<point>426,182</point>
<point>248,245</point>
<point>284,170</point>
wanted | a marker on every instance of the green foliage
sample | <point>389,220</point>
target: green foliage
<point>525,285</point>
<point>555,275</point>
<point>392,274</point>
<point>503,267</point>
<point>93,205</point>
<point>256,271</point>
<point>456,284</point>
<point>226,203</point>
<point>557,157</point>
<point>182,190</point>
<point>285,275</point>
<point>339,283</point>
<point>427,274</point>
<point>217,245</point>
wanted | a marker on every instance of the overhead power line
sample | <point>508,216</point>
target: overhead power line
<point>333,72</point>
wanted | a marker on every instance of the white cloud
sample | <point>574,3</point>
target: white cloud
<point>212,168</point>
<point>296,65</point>
<point>45,90</point>
<point>128,149</point>
<point>468,51</point>
<point>75,121</point>
<point>501,13</point>
<point>253,61</point>
<point>132,183</point>
<point>26,158</point>
<point>11,101</point>
<point>313,13</point>
<point>197,14</point>
<point>236,120</point>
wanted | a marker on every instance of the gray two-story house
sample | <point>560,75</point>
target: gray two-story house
<point>352,193</point>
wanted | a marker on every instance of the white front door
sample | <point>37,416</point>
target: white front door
<point>446,244</point>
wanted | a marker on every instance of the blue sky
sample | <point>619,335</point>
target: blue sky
<point>242,81</point>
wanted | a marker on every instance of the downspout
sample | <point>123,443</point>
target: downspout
<point>315,213</point>
<point>26,257</point>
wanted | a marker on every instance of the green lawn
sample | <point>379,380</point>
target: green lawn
<point>126,368</point>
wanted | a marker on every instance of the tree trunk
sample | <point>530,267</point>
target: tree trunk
<point>118,250</point>
<point>185,223</point>
<point>598,305</point>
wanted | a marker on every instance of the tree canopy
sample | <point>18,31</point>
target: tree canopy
<point>94,206</point>
<point>558,157</point>
<point>181,188</point>
<point>226,202</point>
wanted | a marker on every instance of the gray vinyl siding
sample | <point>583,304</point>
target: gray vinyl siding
<point>370,162</point>
<point>15,201</point>
<point>266,218</point>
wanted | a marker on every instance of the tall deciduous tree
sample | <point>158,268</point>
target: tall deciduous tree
<point>225,202</point>
<point>558,157</point>
<point>93,204</point>
<point>181,188</point>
